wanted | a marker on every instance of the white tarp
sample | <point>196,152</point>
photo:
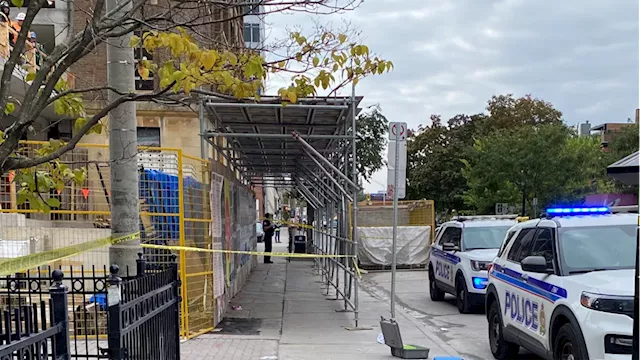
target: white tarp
<point>411,245</point>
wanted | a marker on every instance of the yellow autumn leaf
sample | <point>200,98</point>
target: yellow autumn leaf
<point>134,41</point>
<point>208,59</point>
<point>144,73</point>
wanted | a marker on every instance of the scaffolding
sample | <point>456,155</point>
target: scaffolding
<point>309,146</point>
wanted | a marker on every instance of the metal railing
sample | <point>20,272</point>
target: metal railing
<point>38,330</point>
<point>144,321</point>
<point>92,315</point>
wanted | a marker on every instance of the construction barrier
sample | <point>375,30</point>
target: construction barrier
<point>175,215</point>
<point>380,214</point>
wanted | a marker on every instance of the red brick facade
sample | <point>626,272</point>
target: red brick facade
<point>91,70</point>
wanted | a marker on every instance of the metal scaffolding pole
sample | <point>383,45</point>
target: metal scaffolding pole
<point>314,152</point>
<point>334,181</point>
<point>354,134</point>
<point>270,136</point>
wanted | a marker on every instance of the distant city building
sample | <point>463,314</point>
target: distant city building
<point>584,129</point>
<point>254,26</point>
<point>608,131</point>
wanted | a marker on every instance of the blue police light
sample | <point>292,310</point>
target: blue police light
<point>593,210</point>
<point>479,282</point>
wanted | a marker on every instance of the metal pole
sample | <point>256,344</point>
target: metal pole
<point>204,145</point>
<point>395,227</point>
<point>315,152</point>
<point>334,181</point>
<point>354,134</point>
<point>123,145</point>
<point>270,136</point>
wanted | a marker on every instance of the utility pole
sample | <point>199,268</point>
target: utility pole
<point>123,146</point>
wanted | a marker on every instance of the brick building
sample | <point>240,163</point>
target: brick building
<point>608,131</point>
<point>158,125</point>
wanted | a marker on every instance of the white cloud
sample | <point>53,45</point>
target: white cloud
<point>450,56</point>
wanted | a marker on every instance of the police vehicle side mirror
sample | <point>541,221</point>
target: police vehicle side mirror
<point>536,264</point>
<point>450,247</point>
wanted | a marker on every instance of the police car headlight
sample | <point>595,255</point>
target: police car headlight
<point>479,265</point>
<point>607,303</point>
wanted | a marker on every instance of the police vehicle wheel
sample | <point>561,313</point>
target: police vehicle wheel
<point>463,299</point>
<point>566,345</point>
<point>434,291</point>
<point>500,348</point>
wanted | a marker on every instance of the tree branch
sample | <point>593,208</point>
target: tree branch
<point>13,164</point>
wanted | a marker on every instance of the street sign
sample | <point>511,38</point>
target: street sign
<point>398,130</point>
<point>402,168</point>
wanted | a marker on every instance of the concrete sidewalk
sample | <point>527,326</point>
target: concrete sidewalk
<point>284,315</point>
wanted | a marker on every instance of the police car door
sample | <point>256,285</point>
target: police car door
<point>518,305</point>
<point>543,285</point>
<point>445,261</point>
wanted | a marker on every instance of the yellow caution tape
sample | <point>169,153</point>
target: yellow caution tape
<point>291,224</point>
<point>241,252</point>
<point>355,264</point>
<point>24,263</point>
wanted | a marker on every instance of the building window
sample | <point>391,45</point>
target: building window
<point>148,136</point>
<point>252,33</point>
<point>251,9</point>
<point>141,54</point>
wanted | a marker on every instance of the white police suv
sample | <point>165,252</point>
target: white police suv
<point>459,256</point>
<point>562,286</point>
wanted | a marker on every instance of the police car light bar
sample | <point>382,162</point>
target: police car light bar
<point>593,210</point>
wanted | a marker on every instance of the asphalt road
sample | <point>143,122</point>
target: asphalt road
<point>467,333</point>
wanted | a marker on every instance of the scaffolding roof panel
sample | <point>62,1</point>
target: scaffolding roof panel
<point>259,134</point>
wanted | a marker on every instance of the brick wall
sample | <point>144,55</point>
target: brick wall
<point>91,70</point>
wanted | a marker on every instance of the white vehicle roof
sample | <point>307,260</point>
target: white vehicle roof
<point>484,223</point>
<point>584,220</point>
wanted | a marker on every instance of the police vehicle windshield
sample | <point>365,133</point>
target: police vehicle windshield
<point>598,248</point>
<point>483,237</point>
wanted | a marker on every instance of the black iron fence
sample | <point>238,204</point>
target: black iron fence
<point>144,320</point>
<point>87,314</point>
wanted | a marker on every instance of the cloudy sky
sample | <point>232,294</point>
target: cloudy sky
<point>450,56</point>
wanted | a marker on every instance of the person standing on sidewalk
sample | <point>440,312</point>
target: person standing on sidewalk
<point>267,227</point>
<point>277,231</point>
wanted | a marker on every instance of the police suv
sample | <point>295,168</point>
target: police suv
<point>562,286</point>
<point>459,256</point>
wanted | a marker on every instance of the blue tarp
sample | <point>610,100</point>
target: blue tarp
<point>160,191</point>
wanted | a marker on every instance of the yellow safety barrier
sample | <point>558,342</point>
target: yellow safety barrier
<point>177,215</point>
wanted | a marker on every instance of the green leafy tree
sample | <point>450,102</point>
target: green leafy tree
<point>548,162</point>
<point>436,152</point>
<point>372,133</point>
<point>622,145</point>
<point>184,66</point>
<point>507,112</point>
<point>433,159</point>
<point>625,142</point>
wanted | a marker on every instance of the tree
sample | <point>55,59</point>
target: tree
<point>506,112</point>
<point>625,142</point>
<point>433,160</point>
<point>435,152</point>
<point>548,162</point>
<point>372,138</point>
<point>322,60</point>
